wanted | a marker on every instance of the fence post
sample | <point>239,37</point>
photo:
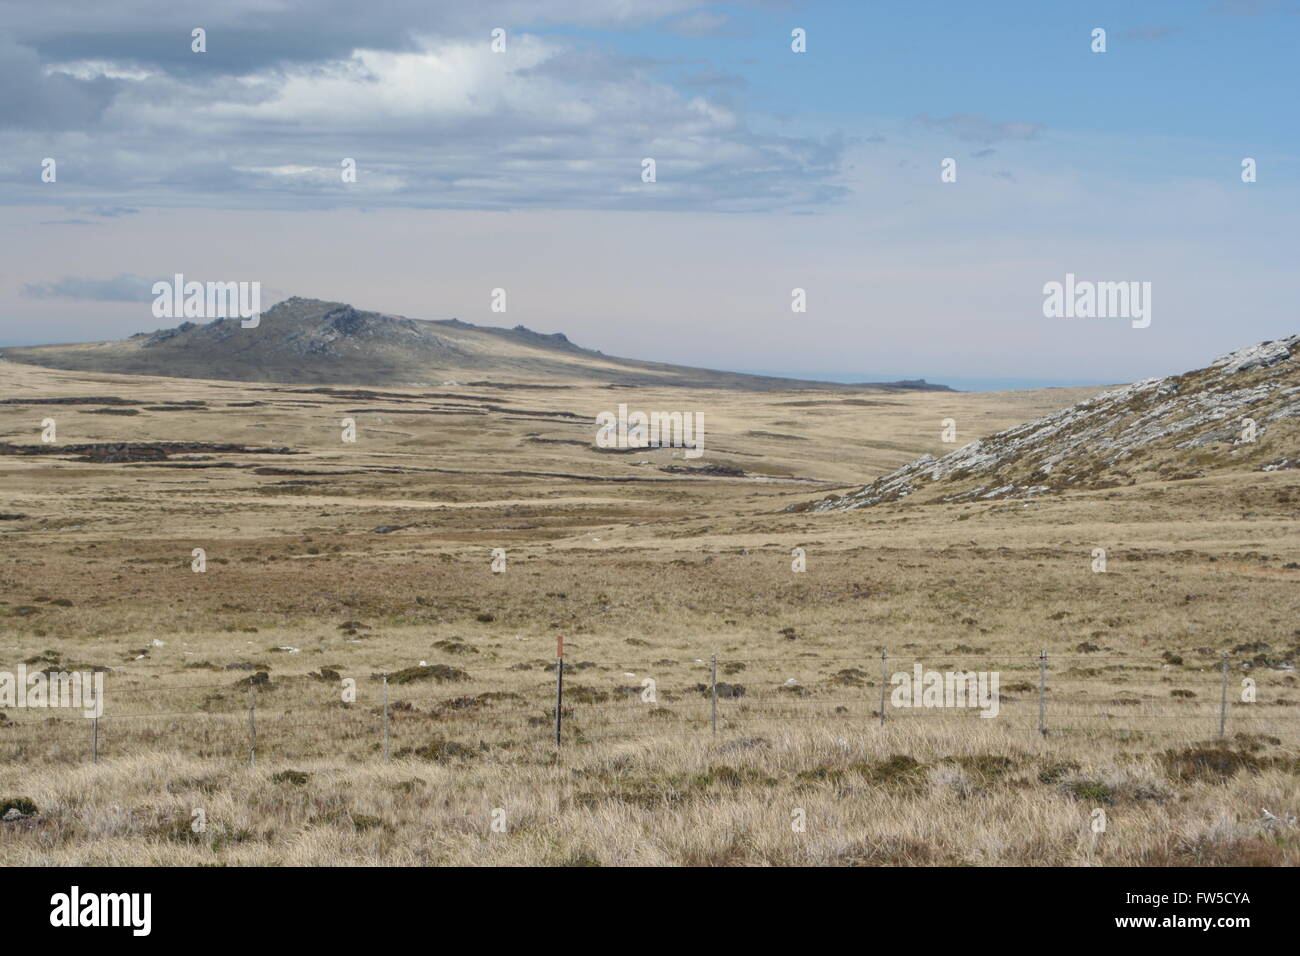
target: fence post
<point>385,717</point>
<point>884,681</point>
<point>1042,692</point>
<point>252,725</point>
<point>713,682</point>
<point>1223,699</point>
<point>559,688</point>
<point>94,739</point>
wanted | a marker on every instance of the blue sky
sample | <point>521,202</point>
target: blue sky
<point>776,170</point>
<point>1173,67</point>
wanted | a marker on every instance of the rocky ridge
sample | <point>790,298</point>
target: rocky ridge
<point>1240,412</point>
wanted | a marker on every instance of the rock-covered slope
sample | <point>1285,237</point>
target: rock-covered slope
<point>310,341</point>
<point>1242,412</point>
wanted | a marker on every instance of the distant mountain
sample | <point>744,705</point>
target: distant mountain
<point>1240,413</point>
<point>331,343</point>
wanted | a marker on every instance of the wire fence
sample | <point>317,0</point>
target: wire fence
<point>432,710</point>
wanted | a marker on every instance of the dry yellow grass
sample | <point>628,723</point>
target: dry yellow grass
<point>646,576</point>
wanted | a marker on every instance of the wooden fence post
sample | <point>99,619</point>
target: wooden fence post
<point>559,688</point>
<point>1223,699</point>
<point>1042,692</point>
<point>713,683</point>
<point>884,682</point>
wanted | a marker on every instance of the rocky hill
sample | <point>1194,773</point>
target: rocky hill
<point>1242,412</point>
<point>309,341</point>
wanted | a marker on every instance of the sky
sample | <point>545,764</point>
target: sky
<point>775,170</point>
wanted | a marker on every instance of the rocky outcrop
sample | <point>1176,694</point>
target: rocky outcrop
<point>1242,411</point>
<point>312,341</point>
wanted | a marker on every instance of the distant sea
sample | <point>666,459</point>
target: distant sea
<point>960,384</point>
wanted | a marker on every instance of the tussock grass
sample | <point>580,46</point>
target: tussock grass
<point>644,579</point>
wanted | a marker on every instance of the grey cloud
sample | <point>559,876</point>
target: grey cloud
<point>976,127</point>
<point>244,36</point>
<point>591,66</point>
<point>572,136</point>
<point>554,123</point>
<point>711,79</point>
<point>702,23</point>
<point>32,99</point>
<point>120,288</point>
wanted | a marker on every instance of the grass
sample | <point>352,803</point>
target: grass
<point>647,576</point>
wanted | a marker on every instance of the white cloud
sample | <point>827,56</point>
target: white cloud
<point>446,123</point>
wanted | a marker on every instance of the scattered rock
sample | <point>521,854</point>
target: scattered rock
<point>17,808</point>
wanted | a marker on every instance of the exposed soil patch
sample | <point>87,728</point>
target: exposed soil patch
<point>117,452</point>
<point>95,400</point>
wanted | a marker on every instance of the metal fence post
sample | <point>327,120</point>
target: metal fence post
<point>1223,699</point>
<point>1042,692</point>
<point>884,681</point>
<point>559,688</point>
<point>713,681</point>
<point>252,725</point>
<point>385,718</point>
